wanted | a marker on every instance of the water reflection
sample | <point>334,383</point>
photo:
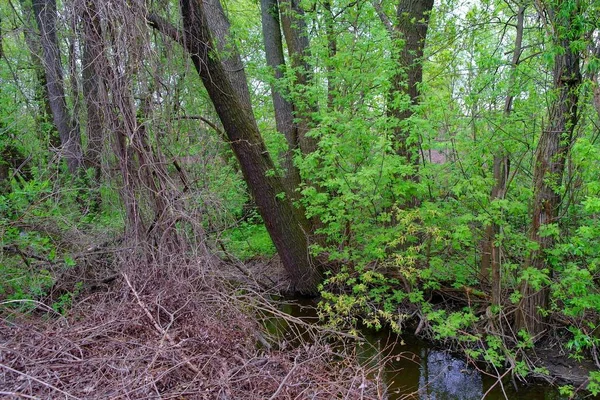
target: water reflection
<point>419,371</point>
<point>443,377</point>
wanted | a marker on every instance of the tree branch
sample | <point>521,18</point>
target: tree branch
<point>383,17</point>
<point>206,121</point>
<point>166,28</point>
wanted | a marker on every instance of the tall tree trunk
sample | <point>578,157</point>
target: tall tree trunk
<point>551,155</point>
<point>284,111</point>
<point>112,60</point>
<point>296,37</point>
<point>92,49</point>
<point>282,220</point>
<point>42,98</point>
<point>230,57</point>
<point>45,16</point>
<point>408,33</point>
<point>491,258</point>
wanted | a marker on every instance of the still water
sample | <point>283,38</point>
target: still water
<point>420,371</point>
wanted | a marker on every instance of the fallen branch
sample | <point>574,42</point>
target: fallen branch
<point>157,326</point>
<point>33,378</point>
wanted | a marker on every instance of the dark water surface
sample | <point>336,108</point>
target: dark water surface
<point>420,371</point>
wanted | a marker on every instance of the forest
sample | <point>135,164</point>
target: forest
<point>171,170</point>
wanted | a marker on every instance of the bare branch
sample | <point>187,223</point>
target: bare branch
<point>33,378</point>
<point>163,332</point>
<point>166,28</point>
<point>206,121</point>
<point>383,17</point>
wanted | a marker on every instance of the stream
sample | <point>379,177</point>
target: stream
<point>420,371</point>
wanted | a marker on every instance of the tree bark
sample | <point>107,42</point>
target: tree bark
<point>281,219</point>
<point>296,37</point>
<point>92,51</point>
<point>42,98</point>
<point>331,52</point>
<point>284,111</point>
<point>551,155</point>
<point>219,26</point>
<point>45,16</point>
<point>408,33</point>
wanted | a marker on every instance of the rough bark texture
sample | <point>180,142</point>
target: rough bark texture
<point>492,253</point>
<point>45,16</point>
<point>296,37</point>
<point>113,56</point>
<point>220,28</point>
<point>32,39</point>
<point>408,33</point>
<point>284,111</point>
<point>552,151</point>
<point>92,51</point>
<point>280,217</point>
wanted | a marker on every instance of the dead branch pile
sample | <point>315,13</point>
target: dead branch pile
<point>170,332</point>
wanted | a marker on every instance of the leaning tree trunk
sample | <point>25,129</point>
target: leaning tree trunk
<point>45,16</point>
<point>220,28</point>
<point>282,220</point>
<point>551,156</point>
<point>284,111</point>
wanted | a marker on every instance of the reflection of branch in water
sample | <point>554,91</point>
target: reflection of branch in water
<point>445,377</point>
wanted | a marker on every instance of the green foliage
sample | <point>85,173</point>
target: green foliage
<point>594,384</point>
<point>65,301</point>
<point>566,390</point>
<point>581,342</point>
<point>395,233</point>
<point>21,283</point>
<point>33,215</point>
<point>247,240</point>
<point>373,299</point>
<point>361,191</point>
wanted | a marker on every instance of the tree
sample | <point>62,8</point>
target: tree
<point>283,222</point>
<point>92,53</point>
<point>491,251</point>
<point>553,149</point>
<point>408,32</point>
<point>295,31</point>
<point>284,109</point>
<point>32,40</point>
<point>45,16</point>
<point>220,28</point>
